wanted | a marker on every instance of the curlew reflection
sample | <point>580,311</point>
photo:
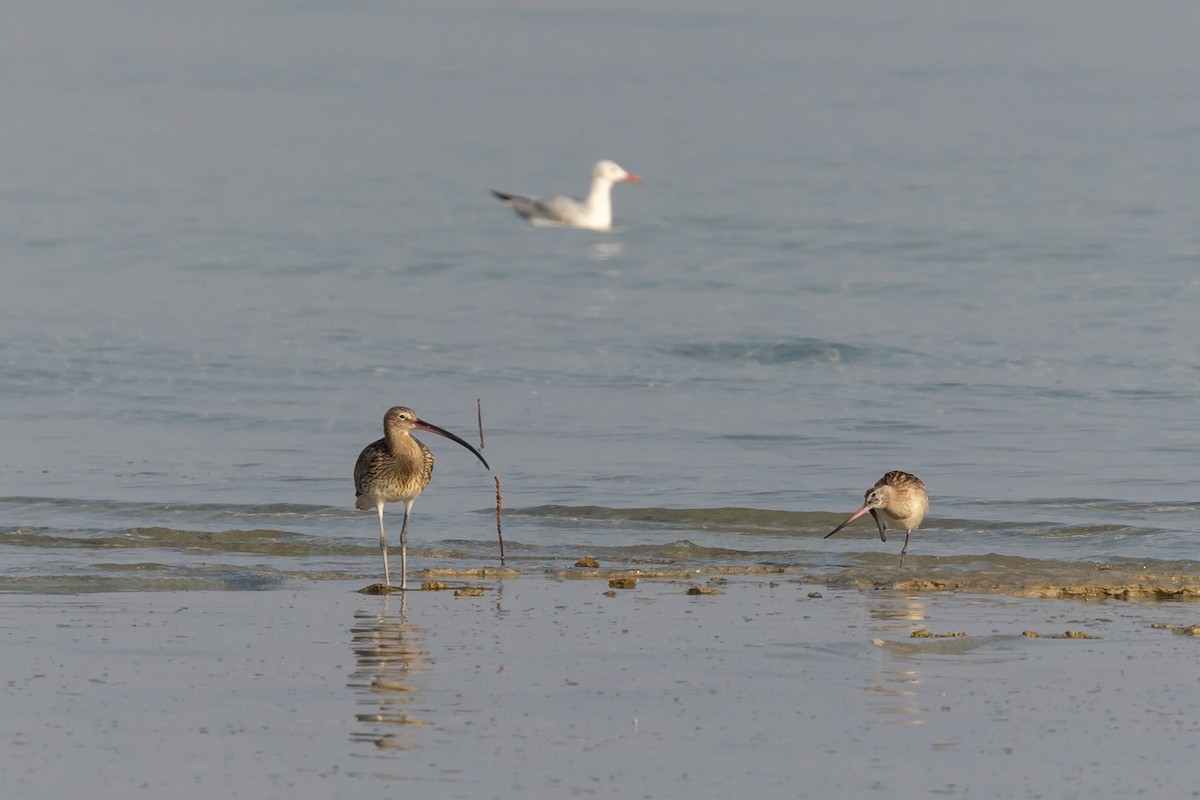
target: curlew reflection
<point>390,657</point>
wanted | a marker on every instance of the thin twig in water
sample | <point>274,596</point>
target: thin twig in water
<point>499,535</point>
<point>479,415</point>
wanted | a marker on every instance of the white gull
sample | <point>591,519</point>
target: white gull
<point>593,213</point>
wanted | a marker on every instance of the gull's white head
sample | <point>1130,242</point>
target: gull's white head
<point>610,171</point>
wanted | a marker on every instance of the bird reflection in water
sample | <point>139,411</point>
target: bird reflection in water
<point>897,686</point>
<point>390,656</point>
<point>904,609</point>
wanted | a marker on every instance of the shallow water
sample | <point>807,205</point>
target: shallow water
<point>842,261</point>
<point>958,241</point>
<point>999,299</point>
<point>68,546</point>
<point>542,688</point>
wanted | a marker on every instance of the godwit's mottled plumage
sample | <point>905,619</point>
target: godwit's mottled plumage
<point>593,212</point>
<point>397,468</point>
<point>900,498</point>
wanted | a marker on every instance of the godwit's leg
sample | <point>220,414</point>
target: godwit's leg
<point>879,524</point>
<point>387,580</point>
<point>904,549</point>
<point>404,546</point>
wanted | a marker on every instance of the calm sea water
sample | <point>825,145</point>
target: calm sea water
<point>959,241</point>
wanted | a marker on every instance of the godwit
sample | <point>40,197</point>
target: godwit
<point>594,213</point>
<point>901,498</point>
<point>397,468</point>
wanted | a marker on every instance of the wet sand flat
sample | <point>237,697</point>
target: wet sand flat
<point>557,688</point>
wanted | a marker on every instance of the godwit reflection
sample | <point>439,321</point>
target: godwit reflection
<point>896,687</point>
<point>910,609</point>
<point>390,656</point>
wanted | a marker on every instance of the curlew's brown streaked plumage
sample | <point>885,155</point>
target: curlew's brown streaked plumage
<point>396,469</point>
<point>900,498</point>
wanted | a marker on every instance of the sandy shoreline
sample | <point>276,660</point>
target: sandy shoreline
<point>543,687</point>
<point>1077,581</point>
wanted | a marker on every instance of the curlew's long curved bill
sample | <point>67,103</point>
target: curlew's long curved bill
<point>851,518</point>
<point>427,426</point>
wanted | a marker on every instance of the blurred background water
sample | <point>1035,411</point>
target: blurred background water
<point>958,240</point>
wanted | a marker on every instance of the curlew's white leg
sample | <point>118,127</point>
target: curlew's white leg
<point>404,546</point>
<point>387,581</point>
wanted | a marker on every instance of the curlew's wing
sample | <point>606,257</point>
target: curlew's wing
<point>364,466</point>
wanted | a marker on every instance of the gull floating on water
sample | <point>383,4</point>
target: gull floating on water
<point>593,213</point>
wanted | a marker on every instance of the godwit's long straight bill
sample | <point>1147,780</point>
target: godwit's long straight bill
<point>856,515</point>
<point>422,425</point>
